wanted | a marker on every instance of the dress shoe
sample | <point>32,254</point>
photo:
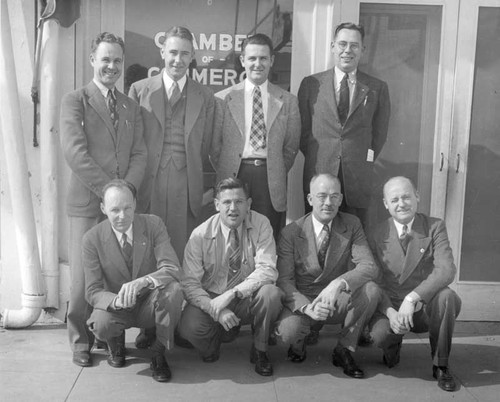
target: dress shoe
<point>82,359</point>
<point>116,352</point>
<point>231,335</point>
<point>161,371</point>
<point>445,380</point>
<point>145,338</point>
<point>312,337</point>
<point>261,360</point>
<point>391,356</point>
<point>341,357</point>
<point>295,357</point>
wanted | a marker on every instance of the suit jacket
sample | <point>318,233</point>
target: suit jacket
<point>427,266</point>
<point>283,136</point>
<point>204,269</point>
<point>105,267</point>
<point>325,143</point>
<point>348,257</point>
<point>94,151</point>
<point>150,93</point>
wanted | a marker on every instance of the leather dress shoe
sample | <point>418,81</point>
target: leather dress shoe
<point>392,355</point>
<point>145,338</point>
<point>231,335</point>
<point>341,357</point>
<point>445,380</point>
<point>161,371</point>
<point>116,352</point>
<point>212,358</point>
<point>312,337</point>
<point>82,359</point>
<point>261,360</point>
<point>294,357</point>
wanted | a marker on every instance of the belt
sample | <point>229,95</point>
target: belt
<point>254,161</point>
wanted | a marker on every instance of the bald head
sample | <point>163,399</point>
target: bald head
<point>401,199</point>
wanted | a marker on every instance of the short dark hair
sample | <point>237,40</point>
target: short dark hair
<point>179,32</point>
<point>327,175</point>
<point>258,39</point>
<point>108,38</point>
<point>120,184</point>
<point>350,25</point>
<point>231,183</point>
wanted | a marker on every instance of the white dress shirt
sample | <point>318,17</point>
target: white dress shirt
<point>248,150</point>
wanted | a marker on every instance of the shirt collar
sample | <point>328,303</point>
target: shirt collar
<point>399,226</point>
<point>249,86</point>
<point>167,81</point>
<point>318,226</point>
<point>104,90</point>
<point>225,231</point>
<point>129,233</point>
<point>340,75</point>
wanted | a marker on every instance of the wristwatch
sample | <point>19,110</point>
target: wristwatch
<point>411,299</point>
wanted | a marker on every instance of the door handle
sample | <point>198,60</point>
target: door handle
<point>458,163</point>
<point>442,162</point>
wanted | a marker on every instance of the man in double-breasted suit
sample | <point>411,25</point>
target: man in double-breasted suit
<point>416,263</point>
<point>345,117</point>
<point>325,269</point>
<point>178,118</point>
<point>257,132</point>
<point>131,276</point>
<point>102,139</point>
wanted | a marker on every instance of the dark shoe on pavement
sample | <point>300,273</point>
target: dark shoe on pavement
<point>82,359</point>
<point>261,360</point>
<point>341,357</point>
<point>445,380</point>
<point>392,355</point>
<point>295,357</point>
<point>211,358</point>
<point>161,371</point>
<point>231,335</point>
<point>145,338</point>
<point>116,352</point>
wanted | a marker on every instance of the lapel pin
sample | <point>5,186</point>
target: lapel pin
<point>422,250</point>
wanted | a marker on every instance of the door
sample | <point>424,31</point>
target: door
<point>473,203</point>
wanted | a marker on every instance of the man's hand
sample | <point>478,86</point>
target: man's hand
<point>405,314</point>
<point>318,312</point>
<point>220,303</point>
<point>396,326</point>
<point>127,296</point>
<point>228,319</point>
<point>329,295</point>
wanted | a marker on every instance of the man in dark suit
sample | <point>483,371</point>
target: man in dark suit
<point>257,132</point>
<point>102,138</point>
<point>325,269</point>
<point>131,274</point>
<point>416,262</point>
<point>178,118</point>
<point>345,116</point>
<point>229,273</point>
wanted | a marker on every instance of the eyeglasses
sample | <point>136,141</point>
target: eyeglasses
<point>343,45</point>
<point>332,197</point>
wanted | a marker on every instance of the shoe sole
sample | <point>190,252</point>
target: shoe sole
<point>336,363</point>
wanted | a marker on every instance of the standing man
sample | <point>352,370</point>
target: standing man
<point>178,117</point>
<point>417,266</point>
<point>131,273</point>
<point>257,132</point>
<point>345,116</point>
<point>229,274</point>
<point>101,135</point>
<point>325,267</point>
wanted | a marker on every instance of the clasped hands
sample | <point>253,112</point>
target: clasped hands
<point>323,306</point>
<point>219,312</point>
<point>127,296</point>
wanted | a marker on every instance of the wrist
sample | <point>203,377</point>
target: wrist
<point>410,299</point>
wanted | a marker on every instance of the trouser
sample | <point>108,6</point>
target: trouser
<point>261,310</point>
<point>437,317</point>
<point>353,311</point>
<point>160,308</point>
<point>81,338</point>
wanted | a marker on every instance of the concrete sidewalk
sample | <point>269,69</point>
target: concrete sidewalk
<point>35,365</point>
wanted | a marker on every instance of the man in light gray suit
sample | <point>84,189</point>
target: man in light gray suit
<point>257,132</point>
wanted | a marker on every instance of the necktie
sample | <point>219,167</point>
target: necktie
<point>126,247</point>
<point>323,242</point>
<point>234,251</point>
<point>404,238</point>
<point>175,94</point>
<point>111,103</point>
<point>258,127</point>
<point>343,106</point>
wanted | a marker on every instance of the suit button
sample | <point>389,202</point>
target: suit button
<point>338,157</point>
<point>239,155</point>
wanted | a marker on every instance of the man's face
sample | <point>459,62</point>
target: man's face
<point>233,206</point>
<point>257,61</point>
<point>107,61</point>
<point>347,49</point>
<point>401,200</point>
<point>178,54</point>
<point>119,206</point>
<point>325,198</point>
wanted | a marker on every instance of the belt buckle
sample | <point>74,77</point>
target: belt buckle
<point>258,162</point>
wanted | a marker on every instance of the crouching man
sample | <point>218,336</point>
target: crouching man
<point>131,273</point>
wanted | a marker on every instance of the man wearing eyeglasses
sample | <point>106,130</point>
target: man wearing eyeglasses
<point>325,268</point>
<point>345,117</point>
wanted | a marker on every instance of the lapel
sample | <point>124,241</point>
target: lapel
<point>306,247</point>
<point>236,105</point>
<point>419,242</point>
<point>98,103</point>
<point>194,103</point>
<point>114,255</point>
<point>327,90</point>
<point>360,93</point>
<point>338,243</point>
<point>391,247</point>
<point>274,105</point>
<point>157,98</point>
<point>212,239</point>
<point>140,245</point>
<point>121,107</point>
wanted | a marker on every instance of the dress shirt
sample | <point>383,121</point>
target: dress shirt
<point>339,75</point>
<point>168,82</point>
<point>104,90</point>
<point>318,227</point>
<point>225,232</point>
<point>129,233</point>
<point>248,150</point>
<point>399,226</point>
